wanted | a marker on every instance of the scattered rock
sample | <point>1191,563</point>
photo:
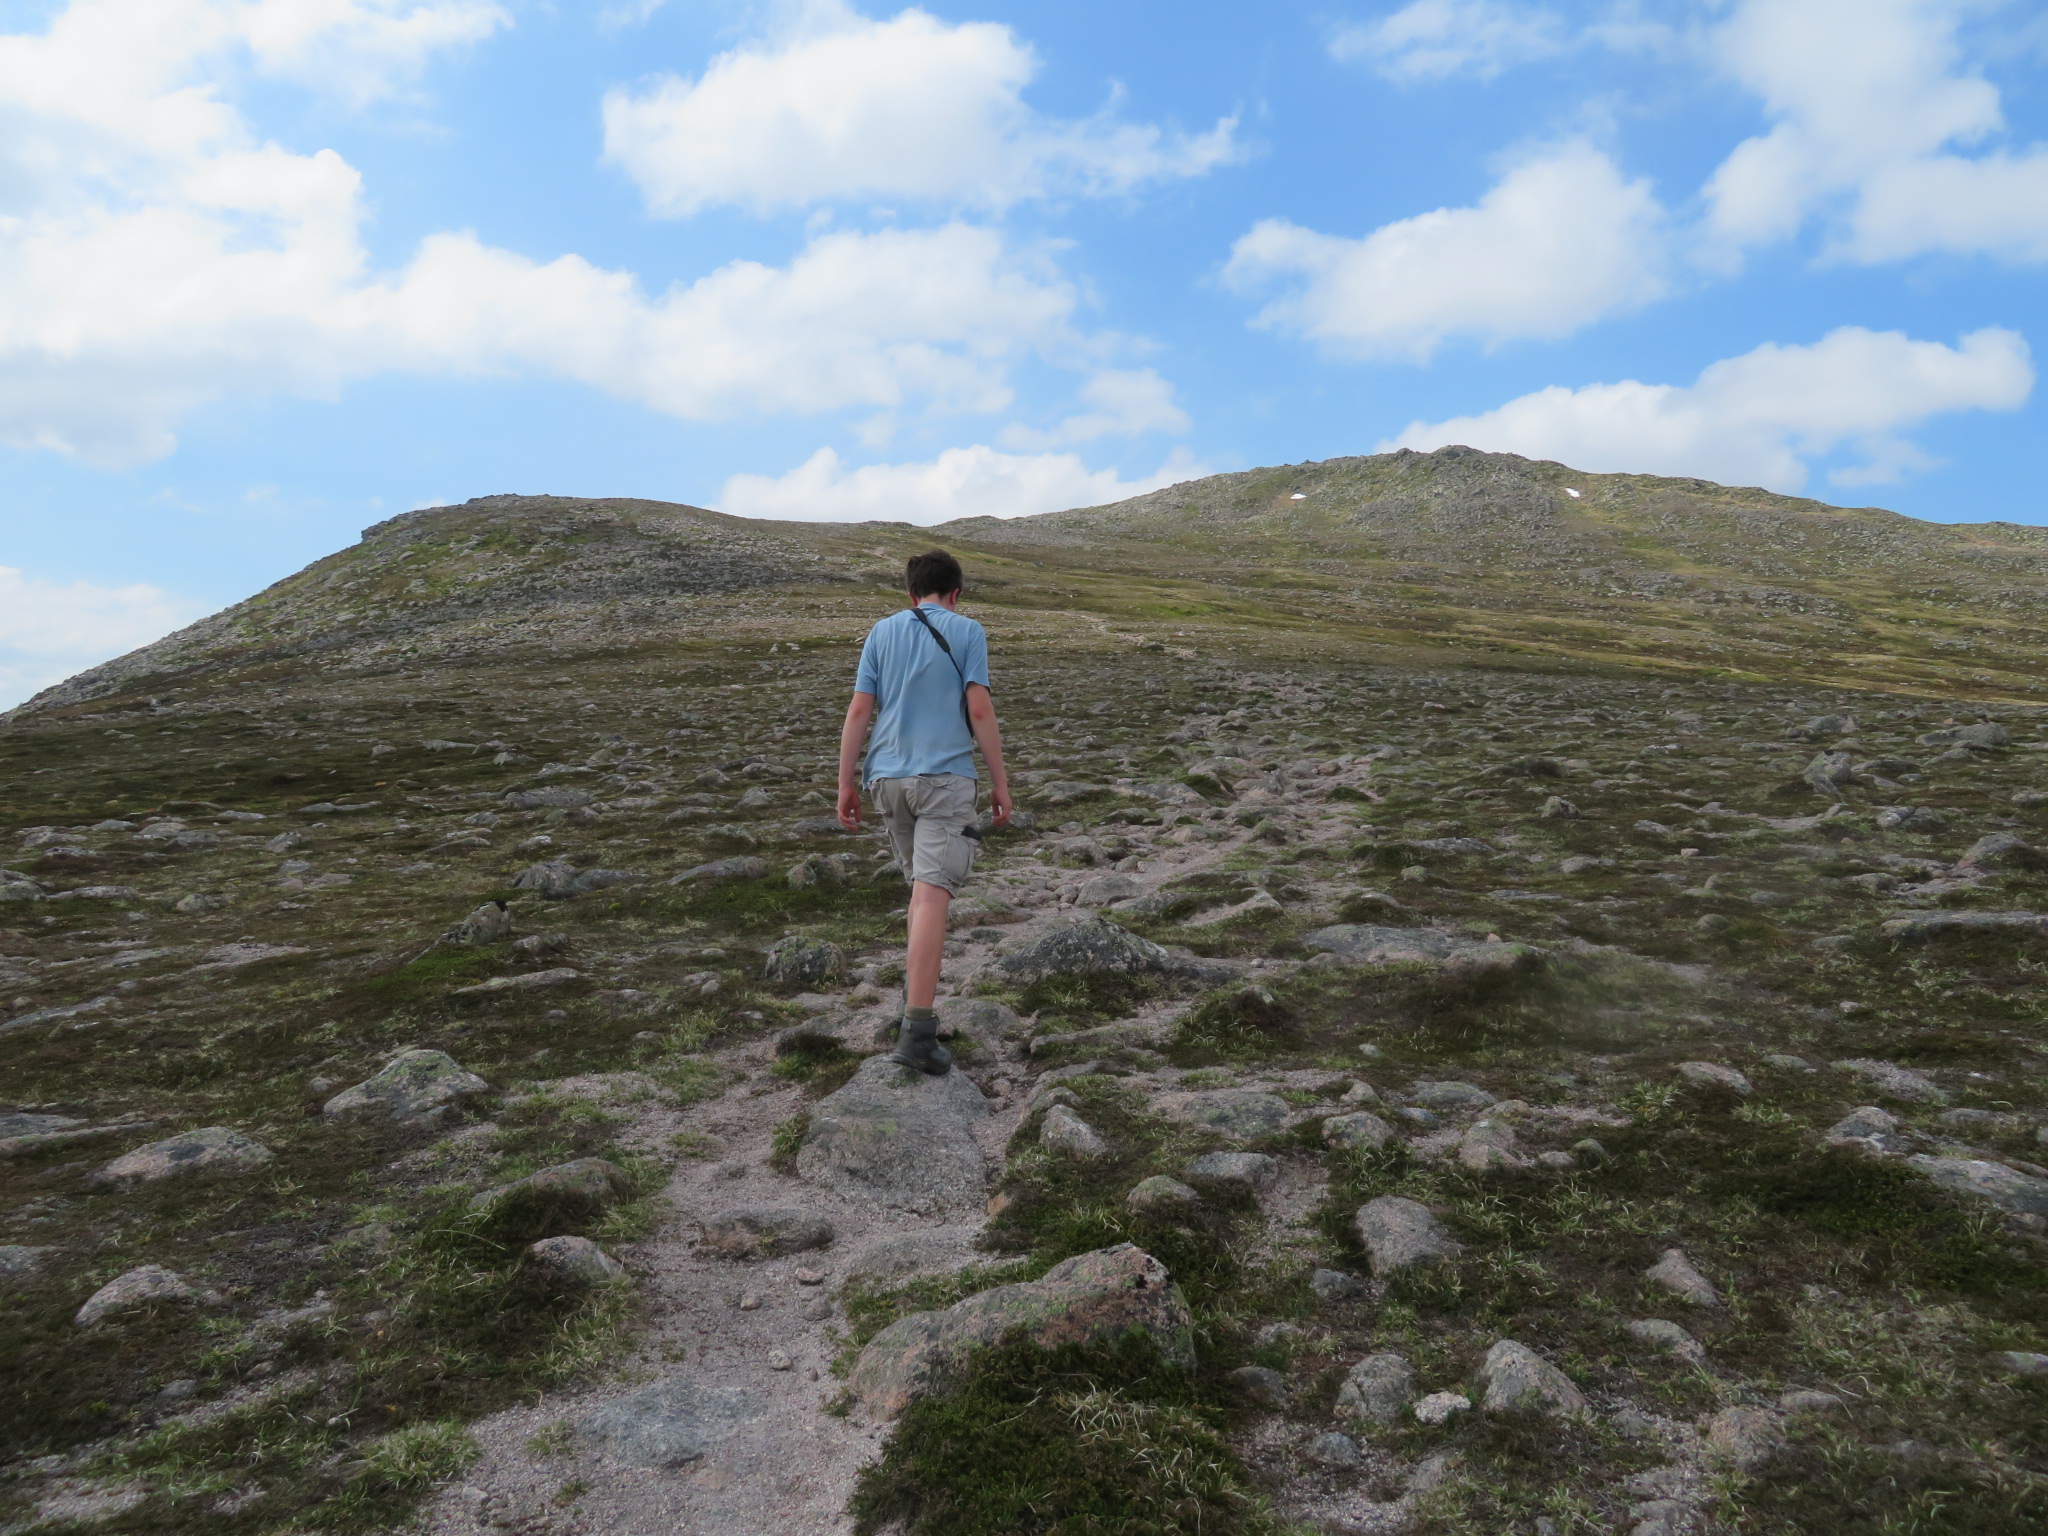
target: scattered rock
<point>573,1263</point>
<point>1333,1452</point>
<point>1439,1407</point>
<point>1377,1390</point>
<point>2018,1362</point>
<point>1334,1285</point>
<point>1660,1333</point>
<point>744,867</point>
<point>1984,736</point>
<point>490,923</point>
<point>1365,944</point>
<point>1089,946</point>
<point>413,1085</point>
<point>19,1262</point>
<point>1259,1384</point>
<point>1911,818</point>
<point>1868,1129</point>
<point>899,1138</point>
<point>1557,808</point>
<point>1239,1112</point>
<point>1916,926</point>
<point>1490,1146</point>
<point>1363,1129</point>
<point>529,981</point>
<point>1805,1400</point>
<point>1711,1074</point>
<point>568,1194</point>
<point>148,1286</point>
<point>669,1424</point>
<point>802,962</point>
<point>1515,1379</point>
<point>1067,1133</point>
<point>1398,1233</point>
<point>931,1251</point>
<point>211,1150</point>
<point>550,798</point>
<point>1900,1082</point>
<point>1095,1296</point>
<point>1102,890</point>
<point>765,1232</point>
<point>1234,1173</point>
<point>1451,1098</point>
<point>1162,1196</point>
<point>2002,850</point>
<point>1745,1439</point>
<point>1674,1272</point>
<point>2006,1188</point>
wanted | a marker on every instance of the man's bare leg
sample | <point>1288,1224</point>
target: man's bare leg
<point>916,1044</point>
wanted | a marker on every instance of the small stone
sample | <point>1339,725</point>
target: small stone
<point>1869,1128</point>
<point>1557,808</point>
<point>778,1360</point>
<point>764,1232</point>
<point>1232,1173</point>
<point>1439,1407</point>
<point>1659,1333</point>
<point>1674,1272</point>
<point>1806,1400</point>
<point>1398,1233</point>
<point>149,1285</point>
<point>1515,1379</point>
<point>1450,1098</point>
<point>1900,1082</point>
<point>567,1193</point>
<point>1711,1074</point>
<point>211,1150</point>
<point>1786,1063</point>
<point>1591,1152</point>
<point>1377,1390</point>
<point>816,1310</point>
<point>2018,1362</point>
<point>798,961</point>
<point>1362,1129</point>
<point>574,1263</point>
<point>1490,1146</point>
<point>750,1301</point>
<point>810,1277</point>
<point>1560,1162</point>
<point>1332,1285</point>
<point>1744,1438</point>
<point>1333,1451</point>
<point>1259,1384</point>
<point>1161,1196</point>
<point>1067,1133</point>
<point>19,1261</point>
<point>412,1086</point>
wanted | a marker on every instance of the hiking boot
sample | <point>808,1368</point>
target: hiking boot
<point>917,1045</point>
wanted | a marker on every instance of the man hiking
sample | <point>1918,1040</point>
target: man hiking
<point>923,686</point>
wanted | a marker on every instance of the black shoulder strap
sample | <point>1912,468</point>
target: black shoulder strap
<point>932,629</point>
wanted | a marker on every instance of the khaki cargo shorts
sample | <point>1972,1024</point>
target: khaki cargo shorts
<point>926,818</point>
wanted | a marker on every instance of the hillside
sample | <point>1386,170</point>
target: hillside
<point>1552,982</point>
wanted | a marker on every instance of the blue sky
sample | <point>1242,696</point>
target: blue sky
<point>272,270</point>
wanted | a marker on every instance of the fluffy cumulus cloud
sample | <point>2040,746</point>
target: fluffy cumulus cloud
<point>1871,105</point>
<point>1435,39</point>
<point>847,108</point>
<point>1561,240</point>
<point>158,255</point>
<point>1759,418</point>
<point>50,630</point>
<point>961,482</point>
<point>1122,402</point>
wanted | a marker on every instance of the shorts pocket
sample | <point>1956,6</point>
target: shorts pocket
<point>956,857</point>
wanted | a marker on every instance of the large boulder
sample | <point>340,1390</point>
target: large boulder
<point>1094,1297</point>
<point>1515,1379</point>
<point>670,1423</point>
<point>1399,1233</point>
<point>212,1150</point>
<point>1369,944</point>
<point>765,1232</point>
<point>412,1086</point>
<point>1086,946</point>
<point>899,1138</point>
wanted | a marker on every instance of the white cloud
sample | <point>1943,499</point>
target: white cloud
<point>961,482</point>
<point>846,108</point>
<point>158,255</point>
<point>50,630</point>
<point>1435,39</point>
<point>1758,418</point>
<point>1126,401</point>
<point>1560,241</point>
<point>1870,98</point>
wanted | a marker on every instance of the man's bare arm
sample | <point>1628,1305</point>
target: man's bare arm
<point>853,735</point>
<point>981,719</point>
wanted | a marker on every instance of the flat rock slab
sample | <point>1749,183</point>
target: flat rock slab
<point>1900,1082</point>
<point>765,1232</point>
<point>1929,925</point>
<point>932,1251</point>
<point>1094,1296</point>
<point>1232,1173</point>
<point>1368,944</point>
<point>411,1086</point>
<point>1398,1233</point>
<point>2006,1188</point>
<point>669,1424</point>
<point>1240,1112</point>
<point>900,1139</point>
<point>213,1149</point>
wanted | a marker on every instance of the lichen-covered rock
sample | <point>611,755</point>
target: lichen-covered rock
<point>573,1264</point>
<point>554,880</point>
<point>524,981</point>
<point>21,1261</point>
<point>1911,926</point>
<point>765,1232</point>
<point>1900,1082</point>
<point>1661,1333</point>
<point>150,1285</point>
<point>1489,1146</point>
<point>1377,1390</point>
<point>1515,1379</point>
<point>551,797</point>
<point>1232,1173</point>
<point>1241,1112</point>
<point>490,923</point>
<point>1093,1297</point>
<point>1065,1132</point>
<point>742,867</point>
<point>1362,1129</point>
<point>1368,944</point>
<point>1868,1128</point>
<point>413,1085</point>
<point>1451,1098</point>
<point>1398,1233</point>
<point>899,1138</point>
<point>669,1424</point>
<point>2006,1188</point>
<point>566,1195</point>
<point>800,962</point>
<point>211,1150</point>
<point>1161,1196</point>
<point>1712,1074</point>
<point>1745,1439</point>
<point>1088,946</point>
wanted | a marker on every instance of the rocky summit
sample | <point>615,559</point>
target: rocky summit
<point>1503,1010</point>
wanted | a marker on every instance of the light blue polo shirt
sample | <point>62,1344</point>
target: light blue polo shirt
<point>918,724</point>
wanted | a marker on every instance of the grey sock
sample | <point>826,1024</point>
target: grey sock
<point>921,1015</point>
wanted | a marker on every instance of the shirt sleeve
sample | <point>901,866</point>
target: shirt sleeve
<point>867,677</point>
<point>974,658</point>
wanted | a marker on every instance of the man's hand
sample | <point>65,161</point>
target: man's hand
<point>999,806</point>
<point>849,807</point>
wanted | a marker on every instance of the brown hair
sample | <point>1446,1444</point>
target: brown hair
<point>932,574</point>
